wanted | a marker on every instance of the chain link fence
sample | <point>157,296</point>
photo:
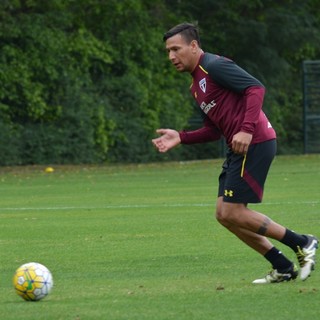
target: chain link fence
<point>311,106</point>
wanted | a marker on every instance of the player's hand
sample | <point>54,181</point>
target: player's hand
<point>241,142</point>
<point>169,139</point>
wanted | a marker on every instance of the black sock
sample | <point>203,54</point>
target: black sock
<point>278,260</point>
<point>293,240</point>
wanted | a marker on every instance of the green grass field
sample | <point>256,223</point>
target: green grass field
<point>140,242</point>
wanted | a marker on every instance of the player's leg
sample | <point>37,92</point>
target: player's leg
<point>283,268</point>
<point>242,181</point>
<point>257,242</point>
<point>239,215</point>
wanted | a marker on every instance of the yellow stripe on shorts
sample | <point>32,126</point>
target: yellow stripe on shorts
<point>243,164</point>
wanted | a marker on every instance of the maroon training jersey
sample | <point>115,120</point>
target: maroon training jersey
<point>231,100</point>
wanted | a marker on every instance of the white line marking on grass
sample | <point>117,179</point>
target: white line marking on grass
<point>133,206</point>
<point>290,202</point>
<point>128,206</point>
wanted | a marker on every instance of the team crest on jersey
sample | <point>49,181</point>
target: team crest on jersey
<point>203,84</point>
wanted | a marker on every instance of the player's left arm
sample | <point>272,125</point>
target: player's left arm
<point>253,100</point>
<point>229,75</point>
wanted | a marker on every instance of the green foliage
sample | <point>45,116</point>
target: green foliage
<point>48,88</point>
<point>89,81</point>
<point>270,39</point>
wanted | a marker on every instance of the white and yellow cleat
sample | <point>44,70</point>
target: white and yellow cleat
<point>307,257</point>
<point>275,277</point>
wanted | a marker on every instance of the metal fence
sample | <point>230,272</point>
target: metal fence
<point>311,106</point>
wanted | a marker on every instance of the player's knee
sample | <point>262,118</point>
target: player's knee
<point>221,217</point>
<point>227,214</point>
<point>218,215</point>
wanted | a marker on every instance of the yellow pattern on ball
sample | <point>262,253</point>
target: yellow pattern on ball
<point>32,281</point>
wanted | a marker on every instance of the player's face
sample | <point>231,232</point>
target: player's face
<point>181,54</point>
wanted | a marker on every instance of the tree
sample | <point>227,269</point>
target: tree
<point>89,80</point>
<point>270,39</point>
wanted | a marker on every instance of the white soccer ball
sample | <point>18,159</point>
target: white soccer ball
<point>32,281</point>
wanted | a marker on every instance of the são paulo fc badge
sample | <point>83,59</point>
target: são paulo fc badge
<point>203,84</point>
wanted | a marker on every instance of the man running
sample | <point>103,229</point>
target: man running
<point>231,100</point>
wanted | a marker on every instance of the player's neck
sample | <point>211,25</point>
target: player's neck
<point>196,59</point>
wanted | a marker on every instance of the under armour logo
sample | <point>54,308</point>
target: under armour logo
<point>228,193</point>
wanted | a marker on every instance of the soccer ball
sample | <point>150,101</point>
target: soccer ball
<point>32,281</point>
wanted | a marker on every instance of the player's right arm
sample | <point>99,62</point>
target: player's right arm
<point>169,139</point>
<point>207,133</point>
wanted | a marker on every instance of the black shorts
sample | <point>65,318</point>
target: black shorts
<point>242,178</point>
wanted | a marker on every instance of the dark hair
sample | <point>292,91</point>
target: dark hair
<point>189,31</point>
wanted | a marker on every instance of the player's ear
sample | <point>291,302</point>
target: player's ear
<point>194,45</point>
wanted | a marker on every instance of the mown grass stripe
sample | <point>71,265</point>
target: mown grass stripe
<point>129,206</point>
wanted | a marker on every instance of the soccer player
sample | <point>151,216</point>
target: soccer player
<point>231,100</point>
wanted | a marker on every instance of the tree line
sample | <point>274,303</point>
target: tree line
<point>89,81</point>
